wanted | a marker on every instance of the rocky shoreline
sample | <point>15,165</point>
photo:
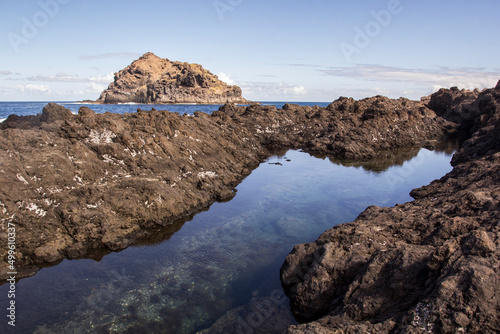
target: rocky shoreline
<point>430,265</point>
<point>74,185</point>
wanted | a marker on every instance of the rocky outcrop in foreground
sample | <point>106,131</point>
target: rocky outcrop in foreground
<point>80,185</point>
<point>151,79</point>
<point>431,265</point>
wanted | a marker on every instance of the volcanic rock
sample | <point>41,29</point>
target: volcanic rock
<point>151,79</point>
<point>73,184</point>
<point>431,265</point>
<point>79,184</point>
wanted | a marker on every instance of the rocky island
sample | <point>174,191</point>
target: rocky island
<point>80,185</point>
<point>151,79</point>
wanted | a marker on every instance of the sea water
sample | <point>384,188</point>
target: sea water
<point>33,108</point>
<point>192,273</point>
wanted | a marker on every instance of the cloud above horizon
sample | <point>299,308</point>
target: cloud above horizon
<point>265,90</point>
<point>466,77</point>
<point>226,78</point>
<point>5,72</point>
<point>63,77</point>
<point>111,55</point>
<point>272,90</point>
<point>34,89</point>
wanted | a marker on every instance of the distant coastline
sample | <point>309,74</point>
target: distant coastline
<point>26,108</point>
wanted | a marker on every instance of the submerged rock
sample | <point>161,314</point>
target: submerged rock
<point>263,315</point>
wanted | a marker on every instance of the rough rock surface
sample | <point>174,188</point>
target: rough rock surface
<point>74,183</point>
<point>151,79</point>
<point>77,184</point>
<point>431,265</point>
<point>346,129</point>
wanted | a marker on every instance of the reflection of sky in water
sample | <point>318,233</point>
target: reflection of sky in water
<point>221,258</point>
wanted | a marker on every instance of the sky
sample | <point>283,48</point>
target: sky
<point>275,50</point>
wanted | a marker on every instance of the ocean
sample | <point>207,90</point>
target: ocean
<point>33,108</point>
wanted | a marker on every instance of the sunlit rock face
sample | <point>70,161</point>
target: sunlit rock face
<point>151,79</point>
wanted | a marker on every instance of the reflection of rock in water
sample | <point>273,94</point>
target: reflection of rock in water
<point>394,157</point>
<point>383,161</point>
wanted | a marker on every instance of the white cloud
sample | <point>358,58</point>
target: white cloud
<point>106,79</point>
<point>226,78</point>
<point>63,77</point>
<point>266,90</point>
<point>272,90</point>
<point>468,78</point>
<point>4,72</point>
<point>34,89</point>
<point>294,90</point>
<point>93,87</point>
<point>6,91</point>
<point>59,77</point>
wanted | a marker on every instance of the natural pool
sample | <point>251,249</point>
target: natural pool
<point>222,264</point>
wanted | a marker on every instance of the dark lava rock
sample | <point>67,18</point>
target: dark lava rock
<point>346,129</point>
<point>75,185</point>
<point>431,265</point>
<point>51,112</point>
<point>98,181</point>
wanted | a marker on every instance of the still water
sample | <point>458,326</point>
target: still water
<point>184,279</point>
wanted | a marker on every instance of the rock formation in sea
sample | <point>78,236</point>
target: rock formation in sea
<point>151,79</point>
<point>427,266</point>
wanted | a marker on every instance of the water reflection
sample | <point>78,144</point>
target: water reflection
<point>394,157</point>
<point>220,270</point>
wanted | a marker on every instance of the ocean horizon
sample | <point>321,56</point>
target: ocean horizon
<point>26,108</point>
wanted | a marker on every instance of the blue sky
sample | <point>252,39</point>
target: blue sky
<point>293,50</point>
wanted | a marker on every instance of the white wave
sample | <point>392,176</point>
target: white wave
<point>2,119</point>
